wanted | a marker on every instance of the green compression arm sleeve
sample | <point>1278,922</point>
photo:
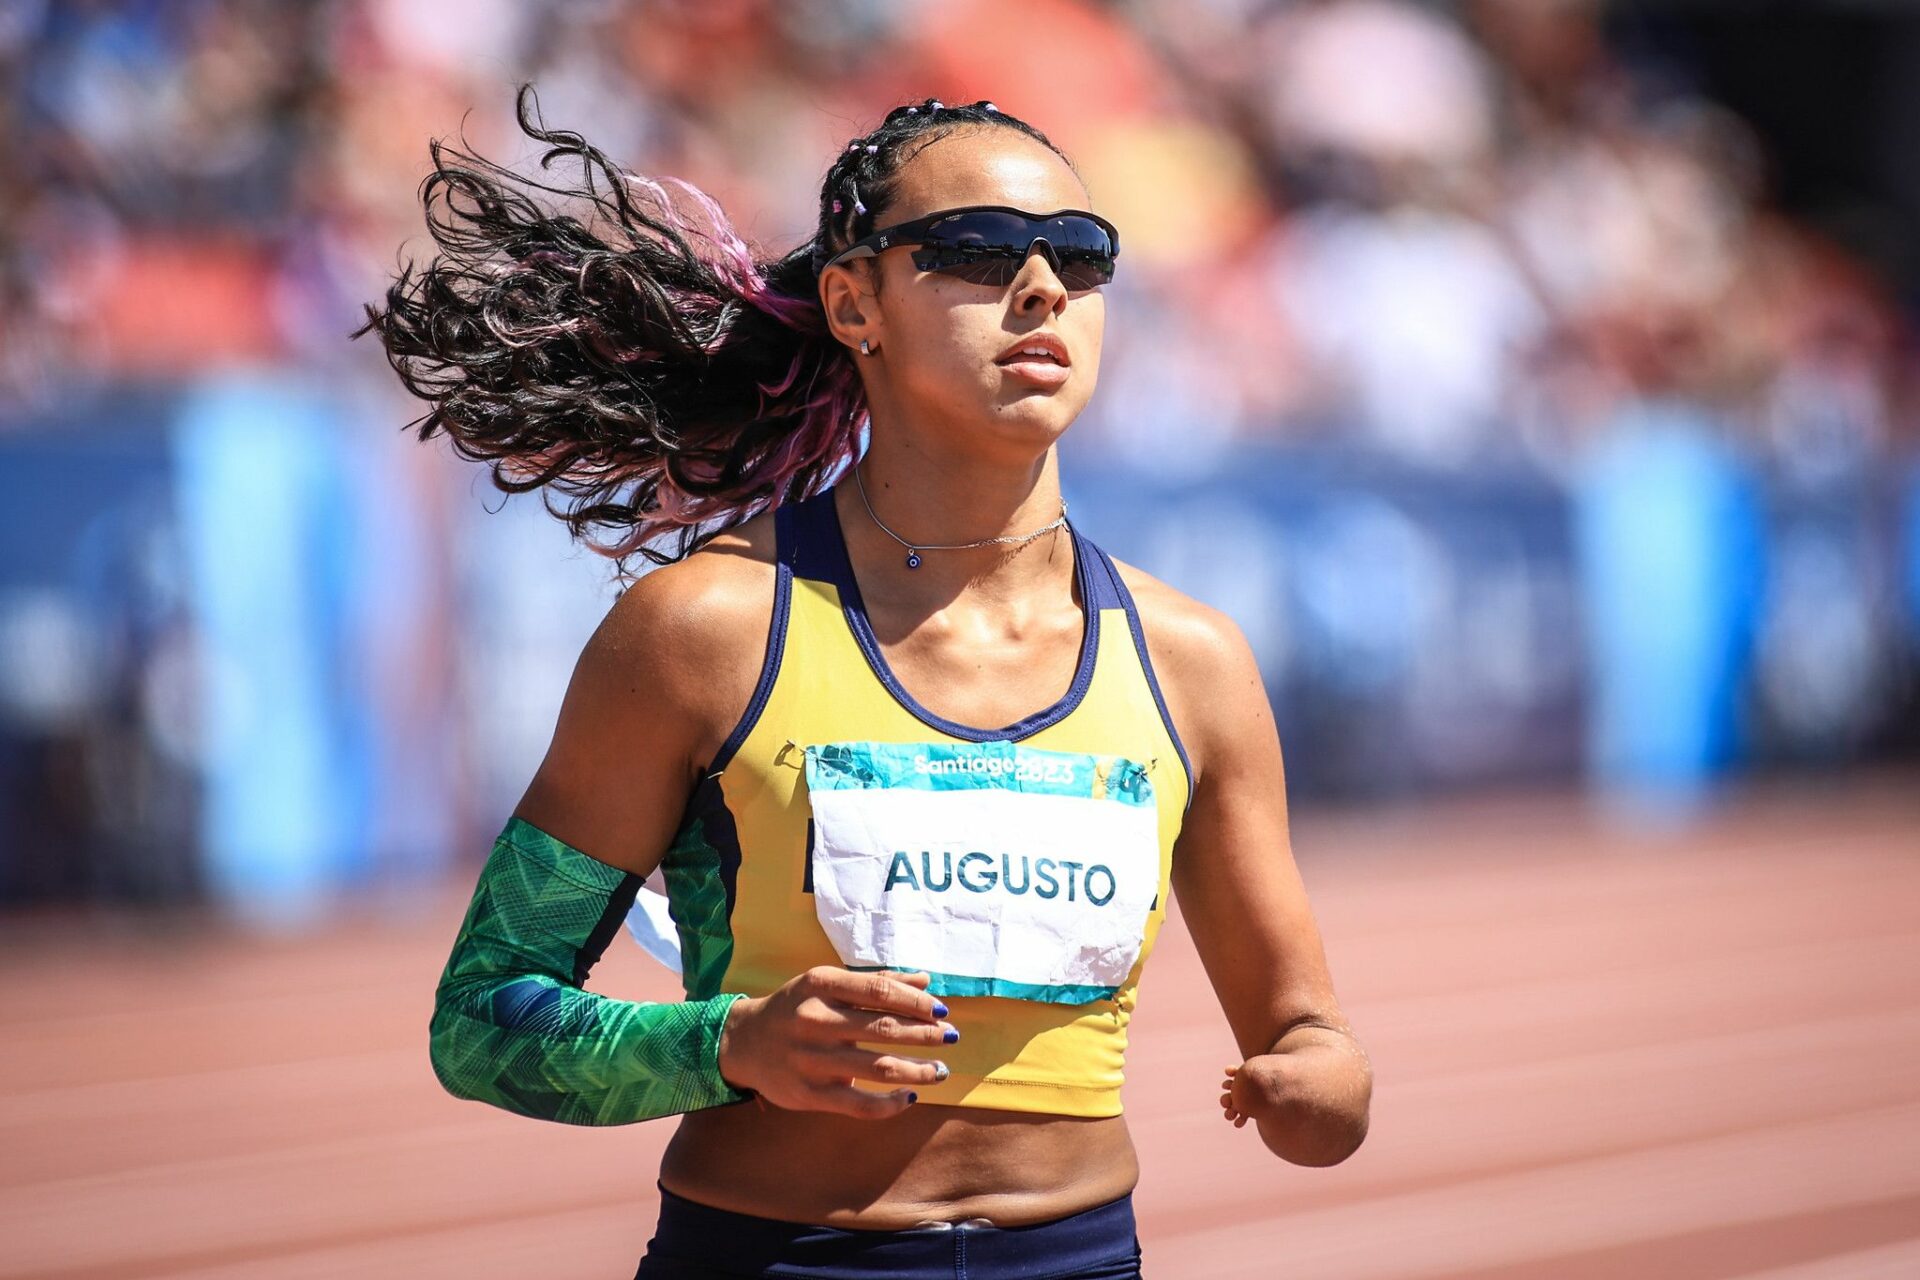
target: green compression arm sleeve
<point>511,1025</point>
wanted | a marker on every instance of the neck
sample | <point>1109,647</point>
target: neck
<point>931,502</point>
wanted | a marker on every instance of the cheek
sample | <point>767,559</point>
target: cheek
<point>1087,348</point>
<point>954,345</point>
<point>948,365</point>
<point>1089,328</point>
<point>1085,334</point>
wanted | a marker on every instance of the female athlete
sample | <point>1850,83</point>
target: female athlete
<point>919,762</point>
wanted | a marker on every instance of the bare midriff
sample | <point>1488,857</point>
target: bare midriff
<point>929,1163</point>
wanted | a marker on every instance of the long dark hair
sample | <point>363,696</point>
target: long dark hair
<point>643,361</point>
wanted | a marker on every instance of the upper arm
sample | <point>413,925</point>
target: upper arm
<point>1239,889</point>
<point>656,690</point>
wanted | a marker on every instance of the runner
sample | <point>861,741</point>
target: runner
<point>921,765</point>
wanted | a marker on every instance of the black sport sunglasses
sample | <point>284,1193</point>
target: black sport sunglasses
<point>988,243</point>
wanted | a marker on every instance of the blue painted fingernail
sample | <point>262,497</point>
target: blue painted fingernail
<point>952,1035</point>
<point>939,1009</point>
<point>912,1096</point>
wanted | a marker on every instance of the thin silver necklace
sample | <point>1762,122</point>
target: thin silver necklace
<point>915,548</point>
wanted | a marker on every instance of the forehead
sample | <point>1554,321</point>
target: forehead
<point>986,166</point>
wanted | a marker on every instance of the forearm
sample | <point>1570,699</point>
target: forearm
<point>1320,1095</point>
<point>512,1026</point>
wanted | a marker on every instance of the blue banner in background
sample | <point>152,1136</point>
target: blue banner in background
<point>1665,614</point>
<point>334,744</point>
<point>264,517</point>
<point>1911,529</point>
<point>1672,569</point>
<point>269,652</point>
<point>1414,629</point>
<point>99,792</point>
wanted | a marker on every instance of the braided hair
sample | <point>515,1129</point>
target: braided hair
<point>640,360</point>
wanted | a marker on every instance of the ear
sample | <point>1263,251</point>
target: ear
<point>851,305</point>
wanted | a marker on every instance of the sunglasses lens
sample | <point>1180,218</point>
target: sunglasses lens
<point>988,247</point>
<point>1084,272</point>
<point>993,269</point>
<point>1075,234</point>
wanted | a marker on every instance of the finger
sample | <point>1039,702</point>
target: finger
<point>881,992</point>
<point>1240,1122</point>
<point>883,1068</point>
<point>864,1104</point>
<point>845,1023</point>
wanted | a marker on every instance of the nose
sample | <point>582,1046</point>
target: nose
<point>1053,255</point>
<point>1047,285</point>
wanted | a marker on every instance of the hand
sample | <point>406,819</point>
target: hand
<point>796,1046</point>
<point>1254,1089</point>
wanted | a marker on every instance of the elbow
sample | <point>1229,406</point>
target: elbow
<point>478,1055</point>
<point>452,1052</point>
<point>441,1054</point>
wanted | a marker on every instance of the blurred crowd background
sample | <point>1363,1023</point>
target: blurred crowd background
<point>1530,379</point>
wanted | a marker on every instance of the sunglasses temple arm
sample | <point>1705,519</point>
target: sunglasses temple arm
<point>863,251</point>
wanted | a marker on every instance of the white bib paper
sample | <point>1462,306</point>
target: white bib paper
<point>998,869</point>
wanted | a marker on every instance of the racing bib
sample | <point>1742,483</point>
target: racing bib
<point>999,869</point>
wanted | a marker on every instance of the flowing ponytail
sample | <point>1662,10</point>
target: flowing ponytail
<point>643,362</point>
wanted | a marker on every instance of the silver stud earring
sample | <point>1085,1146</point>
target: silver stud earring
<point>863,348</point>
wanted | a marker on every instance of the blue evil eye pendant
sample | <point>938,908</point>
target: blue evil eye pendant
<point>913,558</point>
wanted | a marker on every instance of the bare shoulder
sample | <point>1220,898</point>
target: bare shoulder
<point>1180,629</point>
<point>701,601</point>
<point>1206,669</point>
<point>689,637</point>
<point>655,692</point>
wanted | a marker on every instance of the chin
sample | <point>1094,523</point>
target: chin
<point>1036,421</point>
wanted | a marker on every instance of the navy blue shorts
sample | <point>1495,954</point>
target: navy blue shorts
<point>698,1242</point>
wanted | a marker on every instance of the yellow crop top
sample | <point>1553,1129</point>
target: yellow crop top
<point>1025,867</point>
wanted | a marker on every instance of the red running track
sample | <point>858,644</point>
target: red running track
<point>1598,1054</point>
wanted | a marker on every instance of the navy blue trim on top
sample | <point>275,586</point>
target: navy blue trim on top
<point>707,808</point>
<point>824,557</point>
<point>818,553</point>
<point>784,546</point>
<point>1146,665</point>
<point>619,902</point>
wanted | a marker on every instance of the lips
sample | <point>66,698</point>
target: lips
<point>1055,349</point>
